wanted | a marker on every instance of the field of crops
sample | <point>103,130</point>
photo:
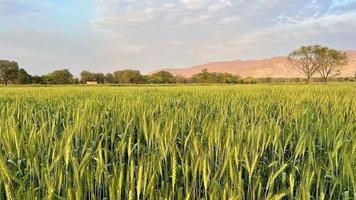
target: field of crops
<point>178,142</point>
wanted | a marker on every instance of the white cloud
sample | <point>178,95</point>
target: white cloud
<point>286,36</point>
<point>223,29</point>
<point>175,43</point>
<point>194,4</point>
<point>154,33</point>
<point>131,48</point>
<point>195,19</point>
<point>228,19</point>
<point>220,5</point>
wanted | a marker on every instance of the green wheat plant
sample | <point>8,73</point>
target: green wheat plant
<point>178,142</point>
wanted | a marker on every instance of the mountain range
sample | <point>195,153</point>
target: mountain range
<point>275,67</point>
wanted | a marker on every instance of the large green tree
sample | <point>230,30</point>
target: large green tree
<point>11,73</point>
<point>8,71</point>
<point>215,77</point>
<point>86,76</point>
<point>228,78</point>
<point>304,60</point>
<point>23,77</point>
<point>60,77</point>
<point>37,79</point>
<point>330,62</point>
<point>316,58</point>
<point>161,77</point>
<point>128,76</point>
<point>109,78</point>
<point>203,77</point>
<point>100,77</point>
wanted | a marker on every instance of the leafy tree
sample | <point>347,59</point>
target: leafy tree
<point>22,77</point>
<point>60,77</point>
<point>214,77</point>
<point>329,62</point>
<point>305,60</point>
<point>316,58</point>
<point>162,77</point>
<point>100,77</point>
<point>181,79</point>
<point>128,76</point>
<point>109,78</point>
<point>8,71</point>
<point>86,76</point>
<point>203,77</point>
<point>229,78</point>
<point>37,79</point>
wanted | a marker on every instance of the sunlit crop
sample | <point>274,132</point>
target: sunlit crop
<point>178,142</point>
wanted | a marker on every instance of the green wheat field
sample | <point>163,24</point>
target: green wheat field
<point>178,142</point>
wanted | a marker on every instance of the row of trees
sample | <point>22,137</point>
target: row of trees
<point>161,77</point>
<point>313,59</point>
<point>164,77</point>
<point>10,73</point>
<point>20,76</point>
<point>308,60</point>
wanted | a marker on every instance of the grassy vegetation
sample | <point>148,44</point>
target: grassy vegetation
<point>178,142</point>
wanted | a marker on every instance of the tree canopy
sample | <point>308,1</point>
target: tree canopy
<point>161,77</point>
<point>330,61</point>
<point>86,76</point>
<point>128,76</point>
<point>215,77</point>
<point>304,60</point>
<point>11,73</point>
<point>315,58</point>
<point>60,77</point>
<point>109,78</point>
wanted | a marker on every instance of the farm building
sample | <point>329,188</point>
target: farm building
<point>92,82</point>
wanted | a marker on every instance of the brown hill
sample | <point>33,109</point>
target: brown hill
<point>276,67</point>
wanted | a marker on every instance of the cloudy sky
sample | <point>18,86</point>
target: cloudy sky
<point>108,35</point>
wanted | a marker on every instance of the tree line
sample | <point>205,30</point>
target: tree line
<point>308,60</point>
<point>10,73</point>
<point>160,77</point>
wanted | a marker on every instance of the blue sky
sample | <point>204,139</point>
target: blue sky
<point>109,35</point>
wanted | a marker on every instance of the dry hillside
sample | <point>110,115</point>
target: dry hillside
<point>271,67</point>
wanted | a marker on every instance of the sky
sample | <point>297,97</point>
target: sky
<point>110,35</point>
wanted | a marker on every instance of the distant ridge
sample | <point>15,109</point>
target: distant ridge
<point>275,67</point>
